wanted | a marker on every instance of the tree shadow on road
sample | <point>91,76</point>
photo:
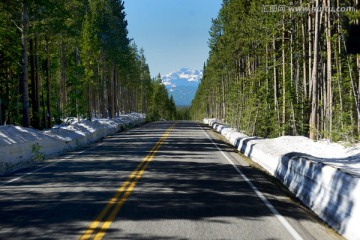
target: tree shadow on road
<point>185,181</point>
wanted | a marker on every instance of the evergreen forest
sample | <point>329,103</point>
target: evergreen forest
<point>73,58</point>
<point>274,70</point>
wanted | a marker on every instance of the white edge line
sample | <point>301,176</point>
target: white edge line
<point>49,165</point>
<point>284,222</point>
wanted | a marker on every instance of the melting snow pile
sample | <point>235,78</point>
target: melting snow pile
<point>324,176</point>
<point>21,147</point>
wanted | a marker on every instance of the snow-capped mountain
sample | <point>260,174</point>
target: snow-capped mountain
<point>186,74</point>
<point>182,85</point>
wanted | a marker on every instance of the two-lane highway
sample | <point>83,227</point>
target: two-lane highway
<point>165,180</point>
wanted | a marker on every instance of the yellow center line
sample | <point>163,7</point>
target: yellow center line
<point>110,203</point>
<point>117,208</point>
<point>132,180</point>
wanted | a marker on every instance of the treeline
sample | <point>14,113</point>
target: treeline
<point>162,107</point>
<point>272,71</point>
<point>183,113</point>
<point>69,58</point>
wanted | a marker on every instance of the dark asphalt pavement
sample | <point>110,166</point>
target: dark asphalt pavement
<point>181,186</point>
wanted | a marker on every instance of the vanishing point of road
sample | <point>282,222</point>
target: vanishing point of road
<point>163,180</point>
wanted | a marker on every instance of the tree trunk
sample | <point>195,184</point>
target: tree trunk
<point>63,77</point>
<point>329,71</point>
<point>358,66</point>
<point>34,121</point>
<point>267,72</point>
<point>142,78</point>
<point>275,84</point>
<point>89,102</point>
<point>24,66</point>
<point>37,85</point>
<point>355,93</point>
<point>111,91</point>
<point>43,105</point>
<point>339,68</point>
<point>95,91</point>
<point>116,111</point>
<point>77,63</point>
<point>1,97</point>
<point>311,40</point>
<point>102,104</point>
<point>304,57</point>
<point>314,80</point>
<point>48,84</point>
<point>283,120</point>
<point>223,97</point>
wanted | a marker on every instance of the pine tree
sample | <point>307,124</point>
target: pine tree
<point>286,76</point>
<point>77,60</point>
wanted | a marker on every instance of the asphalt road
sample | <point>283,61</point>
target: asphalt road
<point>164,180</point>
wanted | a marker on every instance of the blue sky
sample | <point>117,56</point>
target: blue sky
<point>173,33</point>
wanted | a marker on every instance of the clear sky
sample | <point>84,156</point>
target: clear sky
<point>173,33</point>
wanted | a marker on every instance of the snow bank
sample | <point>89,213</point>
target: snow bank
<point>21,147</point>
<point>324,176</point>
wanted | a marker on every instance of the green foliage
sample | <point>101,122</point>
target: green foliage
<point>162,107</point>
<point>243,82</point>
<point>95,70</point>
<point>183,113</point>
<point>37,155</point>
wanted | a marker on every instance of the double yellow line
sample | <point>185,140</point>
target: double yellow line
<point>98,227</point>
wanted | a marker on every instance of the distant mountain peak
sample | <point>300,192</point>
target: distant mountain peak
<point>187,74</point>
<point>182,84</point>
